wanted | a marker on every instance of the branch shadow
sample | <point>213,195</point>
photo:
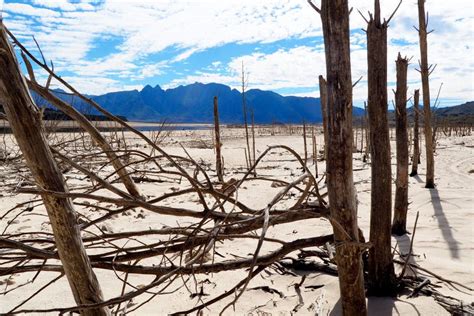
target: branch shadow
<point>404,242</point>
<point>443,224</point>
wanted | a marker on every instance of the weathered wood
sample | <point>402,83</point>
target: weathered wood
<point>323,97</point>
<point>25,122</point>
<point>425,72</point>
<point>86,125</point>
<point>381,271</point>
<point>416,140</point>
<point>254,150</point>
<point>315,152</point>
<point>305,145</point>
<point>367,134</point>
<point>401,191</point>
<point>342,201</point>
<point>218,144</point>
<point>244,111</point>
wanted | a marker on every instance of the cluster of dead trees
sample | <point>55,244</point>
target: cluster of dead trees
<point>336,100</point>
<point>218,215</point>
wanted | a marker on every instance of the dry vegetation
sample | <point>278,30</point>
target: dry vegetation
<point>86,184</point>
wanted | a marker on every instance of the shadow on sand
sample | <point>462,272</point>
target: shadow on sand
<point>404,242</point>
<point>443,224</point>
<point>417,178</point>
<point>378,306</point>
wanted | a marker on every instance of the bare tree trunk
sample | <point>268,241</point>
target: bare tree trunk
<point>254,152</point>
<point>323,95</point>
<point>381,271</point>
<point>401,192</point>
<point>356,132</point>
<point>367,134</point>
<point>95,135</point>
<point>425,72</point>
<point>305,145</point>
<point>416,141</point>
<point>25,122</point>
<point>315,152</point>
<point>217,135</point>
<point>244,109</point>
<point>342,196</point>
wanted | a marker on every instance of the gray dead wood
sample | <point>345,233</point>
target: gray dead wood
<point>323,94</point>
<point>86,125</point>
<point>342,202</point>
<point>416,141</point>
<point>401,191</point>
<point>425,73</point>
<point>381,272</point>
<point>218,144</point>
<point>25,121</point>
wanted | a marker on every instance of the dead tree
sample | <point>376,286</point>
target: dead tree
<point>25,122</point>
<point>323,95</point>
<point>416,142</point>
<point>381,270</point>
<point>305,145</point>
<point>315,152</point>
<point>217,135</point>
<point>342,201</point>
<point>86,125</point>
<point>425,71</point>
<point>244,110</point>
<point>401,192</point>
<point>367,134</point>
<point>254,151</point>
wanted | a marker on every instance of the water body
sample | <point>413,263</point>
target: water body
<point>107,126</point>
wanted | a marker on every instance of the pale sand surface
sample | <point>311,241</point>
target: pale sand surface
<point>443,242</point>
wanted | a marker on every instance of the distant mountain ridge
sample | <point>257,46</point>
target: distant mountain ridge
<point>194,104</point>
<point>465,109</point>
<point>463,113</point>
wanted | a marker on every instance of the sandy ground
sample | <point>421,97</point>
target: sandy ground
<point>443,242</point>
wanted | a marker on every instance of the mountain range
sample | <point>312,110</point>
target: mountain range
<point>194,104</point>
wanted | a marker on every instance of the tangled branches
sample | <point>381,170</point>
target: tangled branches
<point>214,215</point>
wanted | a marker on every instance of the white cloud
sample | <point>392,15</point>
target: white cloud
<point>56,4</point>
<point>97,85</point>
<point>26,9</point>
<point>65,5</point>
<point>149,27</point>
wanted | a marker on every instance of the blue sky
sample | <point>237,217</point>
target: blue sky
<point>109,45</point>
